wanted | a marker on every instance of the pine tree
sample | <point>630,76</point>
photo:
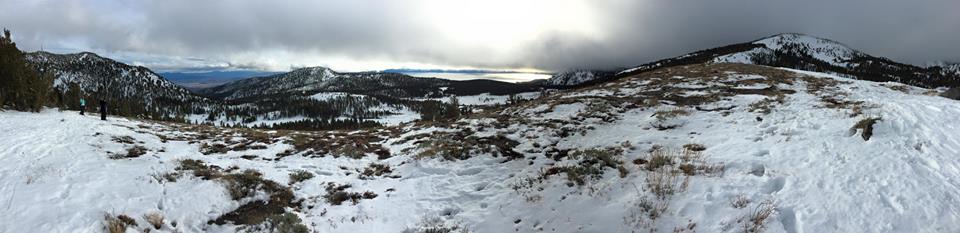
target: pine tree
<point>453,108</point>
<point>21,87</point>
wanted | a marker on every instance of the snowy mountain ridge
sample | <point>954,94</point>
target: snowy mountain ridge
<point>93,72</point>
<point>319,79</point>
<point>576,77</point>
<point>804,52</point>
<point>133,89</point>
<point>948,68</point>
<point>821,49</point>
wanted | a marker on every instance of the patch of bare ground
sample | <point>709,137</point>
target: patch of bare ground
<point>356,144</point>
<point>691,86</point>
<point>243,185</point>
<point>865,127</point>
<point>463,144</point>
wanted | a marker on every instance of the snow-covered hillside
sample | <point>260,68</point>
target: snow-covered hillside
<point>576,77</point>
<point>825,50</point>
<point>948,68</point>
<point>93,75</point>
<point>805,52</point>
<point>322,79</point>
<point>700,148</point>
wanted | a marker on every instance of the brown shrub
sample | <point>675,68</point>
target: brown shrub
<point>740,201</point>
<point>375,170</point>
<point>336,194</point>
<point>300,176</point>
<point>119,223</point>
<point>756,220</point>
<point>155,219</point>
<point>866,127</point>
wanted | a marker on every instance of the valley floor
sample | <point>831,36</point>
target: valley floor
<point>780,155</point>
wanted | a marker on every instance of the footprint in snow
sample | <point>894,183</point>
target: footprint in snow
<point>761,153</point>
<point>758,170</point>
<point>775,185</point>
<point>788,217</point>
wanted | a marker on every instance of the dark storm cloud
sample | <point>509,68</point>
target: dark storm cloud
<point>908,31</point>
<point>253,33</point>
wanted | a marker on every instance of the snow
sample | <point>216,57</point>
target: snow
<point>400,116</point>
<point>742,57</point>
<point>325,96</point>
<point>484,99</point>
<point>55,174</point>
<point>503,77</point>
<point>572,78</point>
<point>825,50</point>
<point>821,49</point>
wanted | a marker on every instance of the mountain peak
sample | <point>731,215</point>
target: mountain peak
<point>577,77</point>
<point>812,42</point>
<point>825,50</point>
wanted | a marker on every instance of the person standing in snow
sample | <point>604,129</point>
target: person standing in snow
<point>103,110</point>
<point>83,105</point>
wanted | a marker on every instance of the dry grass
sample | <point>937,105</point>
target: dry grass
<point>865,126</point>
<point>214,148</point>
<point>694,147</point>
<point>297,176</point>
<point>375,170</point>
<point>123,139</point>
<point>669,113</point>
<point>199,169</point>
<point>436,224</point>
<point>283,223</point>
<point>463,145</point>
<point>132,152</point>
<point>756,220</point>
<point>354,145</point>
<point>659,158</point>
<point>764,106</point>
<point>590,165</point>
<point>664,118</point>
<point>136,151</point>
<point>155,219</point>
<point>664,183</point>
<point>119,223</point>
<point>246,183</point>
<point>337,194</point>
<point>645,212</point>
<point>690,161</point>
<point>740,201</point>
<point>897,87</point>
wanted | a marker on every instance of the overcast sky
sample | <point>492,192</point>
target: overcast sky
<point>547,35</point>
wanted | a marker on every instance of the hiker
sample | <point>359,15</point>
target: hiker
<point>103,110</point>
<point>83,105</point>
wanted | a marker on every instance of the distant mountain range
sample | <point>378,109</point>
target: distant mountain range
<point>306,81</point>
<point>947,68</point>
<point>197,80</point>
<point>795,51</point>
<point>130,90</point>
<point>275,98</point>
<point>138,91</point>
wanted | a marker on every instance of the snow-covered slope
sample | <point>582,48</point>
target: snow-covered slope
<point>823,50</point>
<point>704,148</point>
<point>321,79</point>
<point>96,75</point>
<point>804,52</point>
<point>948,68</point>
<point>576,77</point>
